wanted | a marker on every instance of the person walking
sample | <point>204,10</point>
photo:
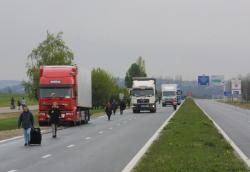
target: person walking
<point>114,106</point>
<point>26,120</point>
<point>18,104</point>
<point>122,106</point>
<point>108,110</point>
<point>12,103</point>
<point>54,114</point>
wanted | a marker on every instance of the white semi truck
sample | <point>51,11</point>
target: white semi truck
<point>169,94</point>
<point>143,94</point>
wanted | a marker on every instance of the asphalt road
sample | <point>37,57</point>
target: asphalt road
<point>101,146</point>
<point>8,110</point>
<point>233,120</point>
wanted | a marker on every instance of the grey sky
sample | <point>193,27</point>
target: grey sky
<point>187,37</point>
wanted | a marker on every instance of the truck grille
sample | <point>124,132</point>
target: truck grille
<point>141,101</point>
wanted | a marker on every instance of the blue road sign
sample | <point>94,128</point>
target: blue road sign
<point>227,93</point>
<point>203,80</point>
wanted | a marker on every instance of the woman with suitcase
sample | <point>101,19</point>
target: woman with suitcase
<point>26,119</point>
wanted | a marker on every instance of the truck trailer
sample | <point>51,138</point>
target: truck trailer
<point>143,94</point>
<point>71,88</point>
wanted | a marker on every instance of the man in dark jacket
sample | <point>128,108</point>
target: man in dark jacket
<point>114,106</point>
<point>122,106</point>
<point>54,114</point>
<point>108,110</point>
<point>27,121</point>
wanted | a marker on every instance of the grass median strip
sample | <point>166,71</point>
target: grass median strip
<point>190,143</point>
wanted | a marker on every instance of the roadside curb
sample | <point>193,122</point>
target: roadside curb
<point>228,139</point>
<point>130,166</point>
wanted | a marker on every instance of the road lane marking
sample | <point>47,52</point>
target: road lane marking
<point>71,146</point>
<point>12,171</point>
<point>129,167</point>
<point>88,138</point>
<point>228,139</point>
<point>110,128</point>
<point>100,132</point>
<point>46,156</point>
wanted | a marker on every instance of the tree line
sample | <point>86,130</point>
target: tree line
<point>54,51</point>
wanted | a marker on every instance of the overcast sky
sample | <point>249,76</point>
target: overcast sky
<point>187,37</point>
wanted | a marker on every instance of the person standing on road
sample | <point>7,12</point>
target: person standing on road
<point>18,104</point>
<point>26,119</point>
<point>12,103</point>
<point>54,115</point>
<point>122,106</point>
<point>114,106</point>
<point>108,110</point>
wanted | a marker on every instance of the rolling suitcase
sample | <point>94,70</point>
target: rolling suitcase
<point>35,136</point>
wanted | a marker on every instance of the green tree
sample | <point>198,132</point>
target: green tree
<point>52,51</point>
<point>136,70</point>
<point>105,88</point>
<point>141,63</point>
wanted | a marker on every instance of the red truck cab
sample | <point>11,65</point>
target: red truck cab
<point>60,84</point>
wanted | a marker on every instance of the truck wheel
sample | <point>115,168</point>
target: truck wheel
<point>86,117</point>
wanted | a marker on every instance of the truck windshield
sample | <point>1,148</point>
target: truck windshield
<point>142,92</point>
<point>56,92</point>
<point>169,93</point>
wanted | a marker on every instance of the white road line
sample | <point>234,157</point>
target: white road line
<point>71,146</point>
<point>12,171</point>
<point>228,139</point>
<point>46,156</point>
<point>144,149</point>
<point>100,132</point>
<point>88,138</point>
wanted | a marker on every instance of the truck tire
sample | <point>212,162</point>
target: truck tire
<point>86,117</point>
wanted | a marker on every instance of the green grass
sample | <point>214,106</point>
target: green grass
<point>11,123</point>
<point>190,143</point>
<point>5,99</point>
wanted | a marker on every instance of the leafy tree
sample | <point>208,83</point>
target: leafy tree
<point>141,64</point>
<point>104,88</point>
<point>52,51</point>
<point>136,70</point>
